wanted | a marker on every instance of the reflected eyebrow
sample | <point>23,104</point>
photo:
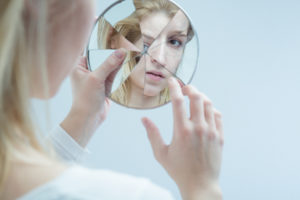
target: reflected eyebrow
<point>179,33</point>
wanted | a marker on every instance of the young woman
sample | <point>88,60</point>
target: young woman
<point>40,43</point>
<point>162,29</point>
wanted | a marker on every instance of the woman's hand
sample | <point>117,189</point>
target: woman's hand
<point>193,159</point>
<point>90,105</point>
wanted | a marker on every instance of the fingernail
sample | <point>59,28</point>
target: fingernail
<point>120,53</point>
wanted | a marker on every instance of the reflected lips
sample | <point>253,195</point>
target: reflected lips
<point>155,75</point>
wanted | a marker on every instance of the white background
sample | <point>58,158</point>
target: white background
<point>250,68</point>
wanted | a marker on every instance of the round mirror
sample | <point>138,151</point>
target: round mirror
<point>160,42</point>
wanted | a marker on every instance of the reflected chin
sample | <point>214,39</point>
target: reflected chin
<point>152,91</point>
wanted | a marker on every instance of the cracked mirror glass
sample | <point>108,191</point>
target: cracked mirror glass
<point>160,42</point>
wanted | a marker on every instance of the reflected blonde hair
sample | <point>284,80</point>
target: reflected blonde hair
<point>130,28</point>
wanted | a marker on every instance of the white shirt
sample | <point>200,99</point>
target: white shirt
<point>81,183</point>
<point>65,146</point>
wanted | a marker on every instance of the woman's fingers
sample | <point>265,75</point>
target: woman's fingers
<point>209,113</point>
<point>111,64</point>
<point>157,143</point>
<point>203,115</point>
<point>201,108</point>
<point>177,98</point>
<point>219,125</point>
<point>196,103</point>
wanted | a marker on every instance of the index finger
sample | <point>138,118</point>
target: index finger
<point>196,103</point>
<point>177,98</point>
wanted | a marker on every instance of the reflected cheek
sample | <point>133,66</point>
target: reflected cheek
<point>173,65</point>
<point>137,77</point>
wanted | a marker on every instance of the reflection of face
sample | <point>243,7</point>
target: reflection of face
<point>166,39</point>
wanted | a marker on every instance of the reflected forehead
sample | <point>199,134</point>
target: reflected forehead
<point>179,23</point>
<point>153,24</point>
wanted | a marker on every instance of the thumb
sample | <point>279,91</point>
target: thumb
<point>111,64</point>
<point>158,146</point>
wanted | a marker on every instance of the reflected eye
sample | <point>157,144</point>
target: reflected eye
<point>146,47</point>
<point>175,43</point>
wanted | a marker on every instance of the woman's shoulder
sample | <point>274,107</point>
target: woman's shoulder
<point>82,183</point>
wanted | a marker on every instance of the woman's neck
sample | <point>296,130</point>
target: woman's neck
<point>137,99</point>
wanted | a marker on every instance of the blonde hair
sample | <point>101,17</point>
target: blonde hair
<point>22,41</point>
<point>129,27</point>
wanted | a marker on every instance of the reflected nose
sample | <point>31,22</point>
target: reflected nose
<point>157,54</point>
